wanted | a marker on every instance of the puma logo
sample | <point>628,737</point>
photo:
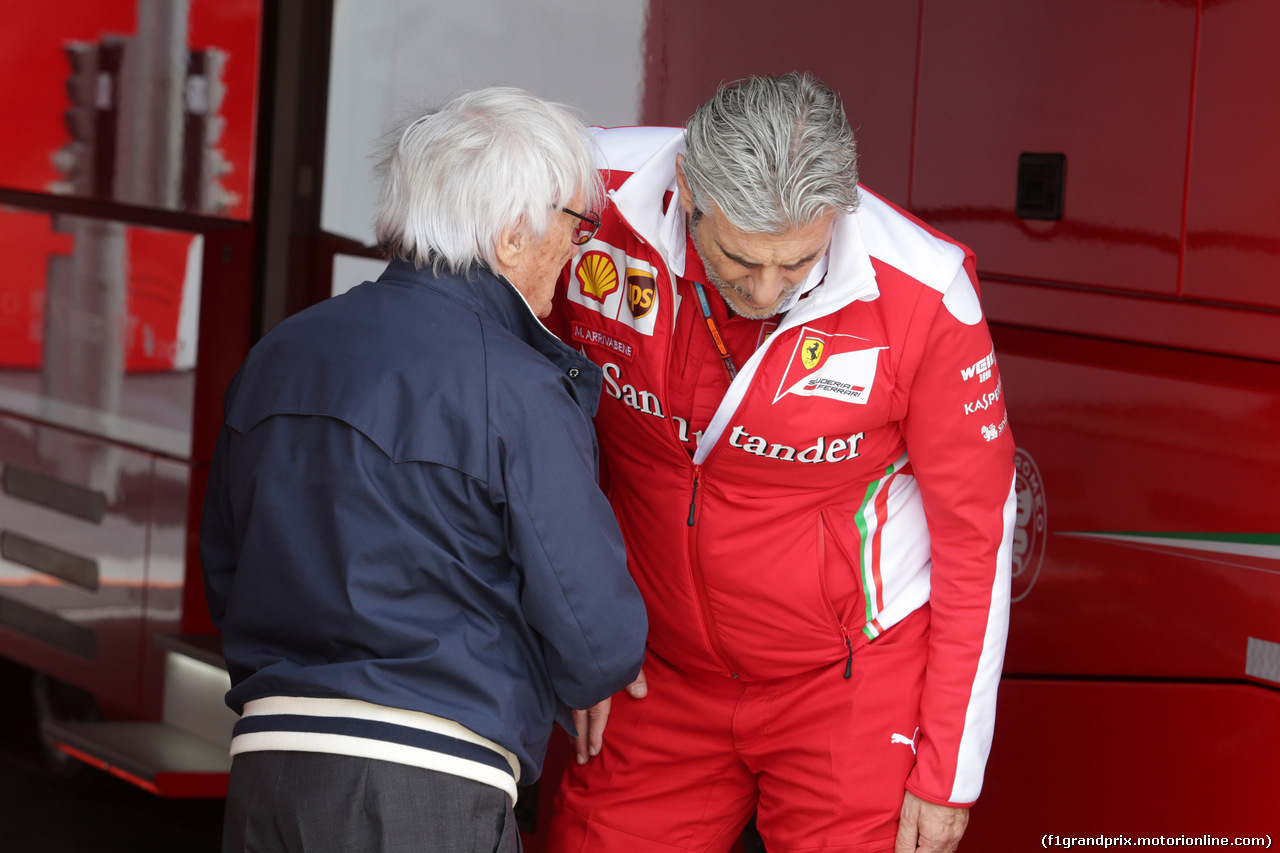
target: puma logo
<point>909,741</point>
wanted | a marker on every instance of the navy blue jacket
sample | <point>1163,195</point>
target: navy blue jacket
<point>402,509</point>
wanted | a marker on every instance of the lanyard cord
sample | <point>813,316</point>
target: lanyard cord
<point>715,333</point>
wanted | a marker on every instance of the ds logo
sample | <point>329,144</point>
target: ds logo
<point>640,292</point>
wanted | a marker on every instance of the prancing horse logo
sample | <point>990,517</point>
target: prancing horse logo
<point>909,741</point>
<point>811,352</point>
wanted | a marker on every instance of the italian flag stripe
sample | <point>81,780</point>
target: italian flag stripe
<point>870,519</point>
<point>882,513</point>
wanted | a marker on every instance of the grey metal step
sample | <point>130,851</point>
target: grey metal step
<point>195,682</point>
<point>155,756</point>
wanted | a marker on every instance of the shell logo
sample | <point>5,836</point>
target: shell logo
<point>597,275</point>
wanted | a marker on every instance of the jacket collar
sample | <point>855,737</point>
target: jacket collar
<point>492,295</point>
<point>847,267</point>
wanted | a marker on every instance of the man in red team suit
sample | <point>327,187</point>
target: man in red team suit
<point>807,450</point>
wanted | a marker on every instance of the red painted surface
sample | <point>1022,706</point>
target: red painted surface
<point>94,761</point>
<point>1233,226</point>
<point>1163,110</point>
<point>155,275</point>
<point>31,43</point>
<point>1108,85</point>
<point>1089,758</point>
<point>178,785</point>
<point>864,50</point>
<point>31,50</point>
<point>103,639</point>
<point>226,312</point>
<point>1170,323</point>
<point>190,785</point>
<point>147,543</point>
<point>1141,407</point>
<point>1132,438</point>
<point>1140,351</point>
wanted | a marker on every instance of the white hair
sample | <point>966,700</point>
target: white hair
<point>773,153</point>
<point>455,179</point>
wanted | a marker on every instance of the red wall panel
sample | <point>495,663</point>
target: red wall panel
<point>864,50</point>
<point>1082,759</point>
<point>1140,440</point>
<point>1106,83</point>
<point>1233,209</point>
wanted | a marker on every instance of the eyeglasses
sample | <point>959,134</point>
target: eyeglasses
<point>587,227</point>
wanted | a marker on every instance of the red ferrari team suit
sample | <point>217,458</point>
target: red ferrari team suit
<point>823,544</point>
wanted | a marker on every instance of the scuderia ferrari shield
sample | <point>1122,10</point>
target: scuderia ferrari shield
<point>838,367</point>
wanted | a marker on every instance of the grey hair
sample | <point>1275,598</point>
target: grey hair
<point>774,153</point>
<point>455,179</point>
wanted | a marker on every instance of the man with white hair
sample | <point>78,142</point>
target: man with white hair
<point>804,431</point>
<point>404,544</point>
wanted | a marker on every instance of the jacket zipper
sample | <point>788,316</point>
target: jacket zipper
<point>693,499</point>
<point>699,586</point>
<point>699,583</point>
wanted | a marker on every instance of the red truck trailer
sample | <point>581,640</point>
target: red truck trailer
<point>1111,162</point>
<point>1114,166</point>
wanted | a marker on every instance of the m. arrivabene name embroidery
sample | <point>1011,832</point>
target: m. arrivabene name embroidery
<point>587,335</point>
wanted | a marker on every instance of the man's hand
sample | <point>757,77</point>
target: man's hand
<point>591,722</point>
<point>929,828</point>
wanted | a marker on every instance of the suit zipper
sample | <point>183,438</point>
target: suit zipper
<point>693,500</point>
<point>699,583</point>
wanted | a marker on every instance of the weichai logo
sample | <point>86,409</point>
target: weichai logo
<point>597,275</point>
<point>641,295</point>
<point>980,368</point>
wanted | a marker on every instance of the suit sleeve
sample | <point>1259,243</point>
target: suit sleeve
<point>578,595</point>
<point>961,451</point>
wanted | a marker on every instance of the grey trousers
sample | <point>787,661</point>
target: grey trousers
<point>291,802</point>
